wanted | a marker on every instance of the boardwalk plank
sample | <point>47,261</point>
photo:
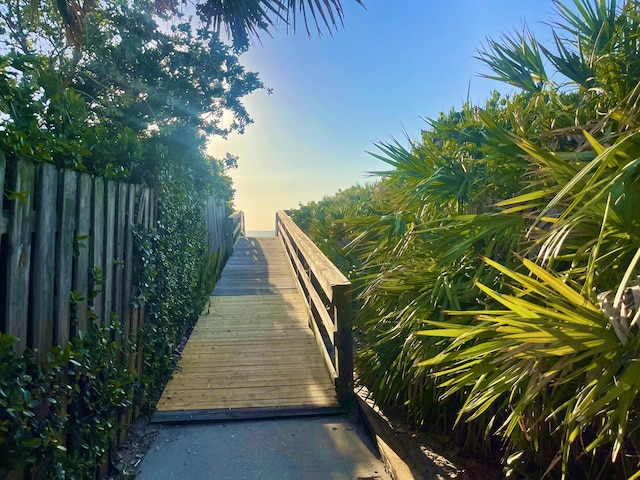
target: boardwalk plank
<point>253,351</point>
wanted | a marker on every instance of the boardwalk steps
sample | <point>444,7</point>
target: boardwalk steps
<point>252,354</point>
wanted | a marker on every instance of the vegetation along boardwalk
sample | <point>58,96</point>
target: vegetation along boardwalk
<point>252,354</point>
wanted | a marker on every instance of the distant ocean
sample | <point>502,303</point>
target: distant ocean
<point>261,233</point>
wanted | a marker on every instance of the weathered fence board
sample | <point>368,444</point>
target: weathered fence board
<point>151,209</point>
<point>216,222</point>
<point>3,219</point>
<point>121,212</point>
<point>3,226</point>
<point>97,247</point>
<point>110,224</point>
<point>41,315</point>
<point>83,232</point>
<point>67,187</point>
<point>128,261</point>
<point>19,252</point>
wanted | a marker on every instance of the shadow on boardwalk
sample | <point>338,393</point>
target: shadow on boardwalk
<point>253,354</point>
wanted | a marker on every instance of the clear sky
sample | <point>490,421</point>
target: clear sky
<point>392,65</point>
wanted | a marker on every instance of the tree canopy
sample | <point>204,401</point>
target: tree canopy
<point>240,19</point>
<point>119,102</point>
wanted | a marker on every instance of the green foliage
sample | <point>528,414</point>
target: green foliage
<point>27,431</point>
<point>133,102</point>
<point>177,275</point>
<point>537,344</point>
<point>113,106</point>
<point>242,19</point>
<point>545,353</point>
<point>58,417</point>
<point>324,222</point>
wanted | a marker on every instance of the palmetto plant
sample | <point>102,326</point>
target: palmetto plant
<point>501,261</point>
<point>550,359</point>
<point>561,372</point>
<point>241,19</point>
<point>421,255</point>
<point>543,347</point>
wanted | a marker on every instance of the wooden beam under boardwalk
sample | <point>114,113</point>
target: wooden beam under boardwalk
<point>253,354</point>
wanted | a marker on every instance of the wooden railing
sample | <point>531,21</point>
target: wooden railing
<point>235,230</point>
<point>328,294</point>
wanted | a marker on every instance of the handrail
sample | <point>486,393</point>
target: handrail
<point>328,295</point>
<point>235,230</point>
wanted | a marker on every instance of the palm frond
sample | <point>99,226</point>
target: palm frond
<point>516,60</point>
<point>547,338</point>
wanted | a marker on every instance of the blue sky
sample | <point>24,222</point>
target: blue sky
<point>392,65</point>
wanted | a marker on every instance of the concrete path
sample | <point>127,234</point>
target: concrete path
<point>309,448</point>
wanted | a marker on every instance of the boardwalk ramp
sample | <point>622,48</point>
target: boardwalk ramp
<point>252,353</point>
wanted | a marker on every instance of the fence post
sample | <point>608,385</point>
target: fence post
<point>44,265</point>
<point>18,268</point>
<point>344,346</point>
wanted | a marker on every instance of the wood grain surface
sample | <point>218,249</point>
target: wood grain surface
<point>253,350</point>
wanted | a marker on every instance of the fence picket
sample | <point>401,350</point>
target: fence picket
<point>67,187</point>
<point>4,223</point>
<point>150,222</point>
<point>97,247</point>
<point>83,231</point>
<point>110,226</point>
<point>144,218</point>
<point>121,211</point>
<point>19,255</point>
<point>3,219</point>
<point>42,284</point>
<point>128,261</point>
<point>216,223</point>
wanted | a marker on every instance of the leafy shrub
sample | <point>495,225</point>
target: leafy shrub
<point>59,417</point>
<point>539,350</point>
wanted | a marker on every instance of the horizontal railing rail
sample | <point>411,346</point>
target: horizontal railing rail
<point>328,295</point>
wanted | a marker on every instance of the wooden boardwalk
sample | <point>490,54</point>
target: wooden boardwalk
<point>252,354</point>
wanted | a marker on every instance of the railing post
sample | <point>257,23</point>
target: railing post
<point>343,342</point>
<point>320,280</point>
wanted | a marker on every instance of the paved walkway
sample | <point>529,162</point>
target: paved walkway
<point>254,356</point>
<point>308,448</point>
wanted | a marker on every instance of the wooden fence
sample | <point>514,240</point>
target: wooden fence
<point>66,253</point>
<point>328,294</point>
<point>216,223</point>
<point>223,232</point>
